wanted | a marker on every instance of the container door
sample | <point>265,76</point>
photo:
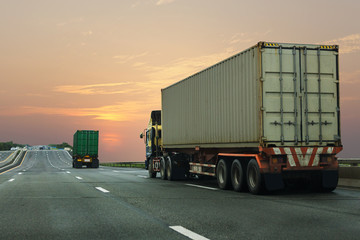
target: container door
<point>281,95</point>
<point>320,106</point>
<point>300,96</point>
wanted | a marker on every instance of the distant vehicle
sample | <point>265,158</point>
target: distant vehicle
<point>85,150</point>
<point>14,148</point>
<point>256,120</point>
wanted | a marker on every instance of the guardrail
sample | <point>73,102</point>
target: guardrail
<point>350,161</point>
<point>349,168</point>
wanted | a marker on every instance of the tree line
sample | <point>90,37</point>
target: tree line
<point>61,146</point>
<point>4,146</point>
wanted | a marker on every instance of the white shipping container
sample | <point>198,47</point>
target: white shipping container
<point>268,95</point>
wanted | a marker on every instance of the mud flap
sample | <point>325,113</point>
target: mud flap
<point>273,181</point>
<point>330,179</point>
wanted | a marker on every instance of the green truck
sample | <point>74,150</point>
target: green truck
<point>85,150</point>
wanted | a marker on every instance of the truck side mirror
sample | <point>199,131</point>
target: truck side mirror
<point>141,135</point>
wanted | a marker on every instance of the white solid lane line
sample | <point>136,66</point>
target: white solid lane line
<point>102,189</point>
<point>209,188</point>
<point>80,178</point>
<point>188,233</point>
<point>11,179</point>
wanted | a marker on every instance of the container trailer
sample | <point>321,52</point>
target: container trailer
<point>85,149</point>
<point>264,117</point>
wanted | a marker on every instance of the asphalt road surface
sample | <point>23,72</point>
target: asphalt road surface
<point>4,155</point>
<point>45,198</point>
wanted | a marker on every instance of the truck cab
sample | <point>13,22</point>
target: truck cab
<point>152,139</point>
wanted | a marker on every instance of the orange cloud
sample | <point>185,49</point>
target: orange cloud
<point>110,138</point>
<point>163,2</point>
<point>103,88</point>
<point>127,58</point>
<point>119,112</point>
<point>163,75</point>
<point>348,44</point>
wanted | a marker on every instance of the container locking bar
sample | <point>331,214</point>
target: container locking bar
<point>295,98</point>
<point>306,98</point>
<point>281,97</point>
<point>319,87</point>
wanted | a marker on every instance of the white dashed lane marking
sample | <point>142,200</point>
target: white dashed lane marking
<point>188,233</point>
<point>102,189</point>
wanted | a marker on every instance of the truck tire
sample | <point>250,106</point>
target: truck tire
<point>163,168</point>
<point>170,169</point>
<point>95,163</point>
<point>254,178</point>
<point>147,162</point>
<point>223,174</point>
<point>152,174</point>
<point>237,175</point>
<point>77,165</point>
<point>329,180</point>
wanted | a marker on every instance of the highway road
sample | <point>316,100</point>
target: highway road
<point>4,155</point>
<point>45,198</point>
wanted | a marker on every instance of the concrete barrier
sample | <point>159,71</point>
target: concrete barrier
<point>349,172</point>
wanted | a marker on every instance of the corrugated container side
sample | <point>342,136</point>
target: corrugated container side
<point>269,95</point>
<point>218,107</point>
<point>86,142</point>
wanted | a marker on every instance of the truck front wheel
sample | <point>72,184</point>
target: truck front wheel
<point>152,174</point>
<point>254,178</point>
<point>223,174</point>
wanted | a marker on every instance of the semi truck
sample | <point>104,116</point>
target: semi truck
<point>85,149</point>
<point>265,117</point>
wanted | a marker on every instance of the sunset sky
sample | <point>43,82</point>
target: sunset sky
<point>91,64</point>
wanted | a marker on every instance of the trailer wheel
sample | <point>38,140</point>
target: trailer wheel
<point>163,168</point>
<point>95,163</point>
<point>77,165</point>
<point>329,180</point>
<point>254,178</point>
<point>223,174</point>
<point>170,169</point>
<point>152,174</point>
<point>237,175</point>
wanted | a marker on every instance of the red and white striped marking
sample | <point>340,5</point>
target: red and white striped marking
<point>303,156</point>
